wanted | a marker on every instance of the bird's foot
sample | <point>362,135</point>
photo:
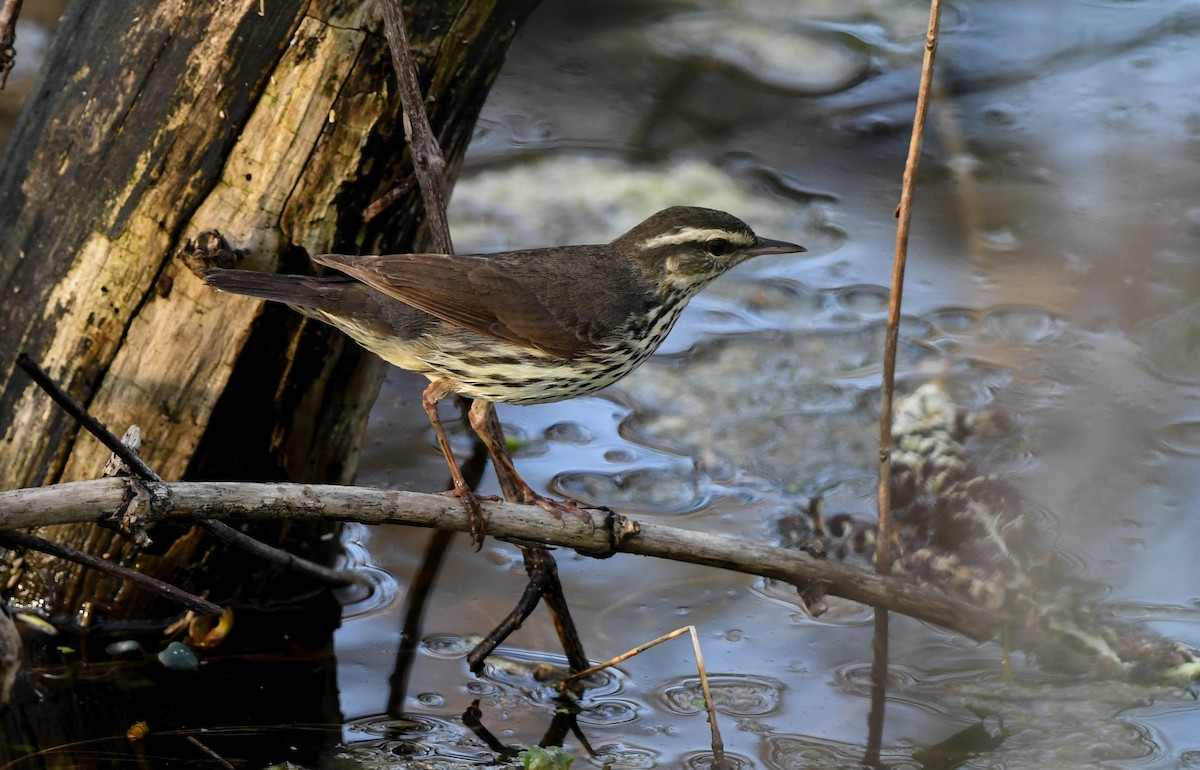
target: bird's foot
<point>477,519</point>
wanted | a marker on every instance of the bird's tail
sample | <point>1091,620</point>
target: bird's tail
<point>301,291</point>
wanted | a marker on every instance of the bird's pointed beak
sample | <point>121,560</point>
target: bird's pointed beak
<point>768,246</point>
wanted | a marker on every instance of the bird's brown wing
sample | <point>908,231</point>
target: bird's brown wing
<point>486,294</point>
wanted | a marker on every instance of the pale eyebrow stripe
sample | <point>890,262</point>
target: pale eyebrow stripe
<point>694,235</point>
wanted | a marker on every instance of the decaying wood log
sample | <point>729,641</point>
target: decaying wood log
<point>146,139</point>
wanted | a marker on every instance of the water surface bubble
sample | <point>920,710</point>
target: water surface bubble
<point>864,299</point>
<point>953,320</point>
<point>855,678</point>
<point>1182,437</point>
<point>1023,325</point>
<point>446,646</point>
<point>482,688</point>
<point>568,432</point>
<point>609,711</point>
<point>621,756</point>
<point>431,699</point>
<point>653,490</point>
<point>620,456</point>
<point>1001,239</point>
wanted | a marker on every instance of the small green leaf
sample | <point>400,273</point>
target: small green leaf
<point>550,758</point>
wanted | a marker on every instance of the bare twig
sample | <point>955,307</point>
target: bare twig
<point>182,501</point>
<point>278,556</point>
<point>428,163</point>
<point>9,12</point>
<point>225,763</point>
<point>883,546</point>
<point>385,201</point>
<point>81,415</point>
<point>144,471</point>
<point>718,745</point>
<point>13,539</point>
<point>883,554</point>
<point>619,659</point>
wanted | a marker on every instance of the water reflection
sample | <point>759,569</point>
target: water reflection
<point>1052,273</point>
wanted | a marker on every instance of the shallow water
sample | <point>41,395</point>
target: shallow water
<point>1052,272</point>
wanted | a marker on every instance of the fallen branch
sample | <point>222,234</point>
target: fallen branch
<point>137,466</point>
<point>14,539</point>
<point>90,501</point>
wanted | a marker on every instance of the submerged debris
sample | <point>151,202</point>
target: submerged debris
<point>10,654</point>
<point>966,533</point>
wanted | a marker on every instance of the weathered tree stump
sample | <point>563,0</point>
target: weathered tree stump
<point>148,129</point>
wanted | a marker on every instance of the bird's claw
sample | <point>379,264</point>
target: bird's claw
<point>477,518</point>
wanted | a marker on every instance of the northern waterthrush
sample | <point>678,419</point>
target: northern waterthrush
<point>519,327</point>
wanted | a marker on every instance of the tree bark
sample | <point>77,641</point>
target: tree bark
<point>149,128</point>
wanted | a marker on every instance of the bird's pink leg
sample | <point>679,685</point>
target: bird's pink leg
<point>435,392</point>
<point>487,426</point>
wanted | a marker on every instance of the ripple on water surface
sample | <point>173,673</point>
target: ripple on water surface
<point>623,756</point>
<point>704,761</point>
<point>800,752</point>
<point>742,695</point>
<point>376,738</point>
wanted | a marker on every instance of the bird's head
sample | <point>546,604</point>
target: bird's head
<point>685,247</point>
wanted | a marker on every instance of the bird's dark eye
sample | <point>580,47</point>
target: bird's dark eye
<point>716,246</point>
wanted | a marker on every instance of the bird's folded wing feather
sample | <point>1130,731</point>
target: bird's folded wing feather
<point>478,293</point>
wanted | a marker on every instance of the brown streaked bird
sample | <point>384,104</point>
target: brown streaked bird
<point>518,327</point>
